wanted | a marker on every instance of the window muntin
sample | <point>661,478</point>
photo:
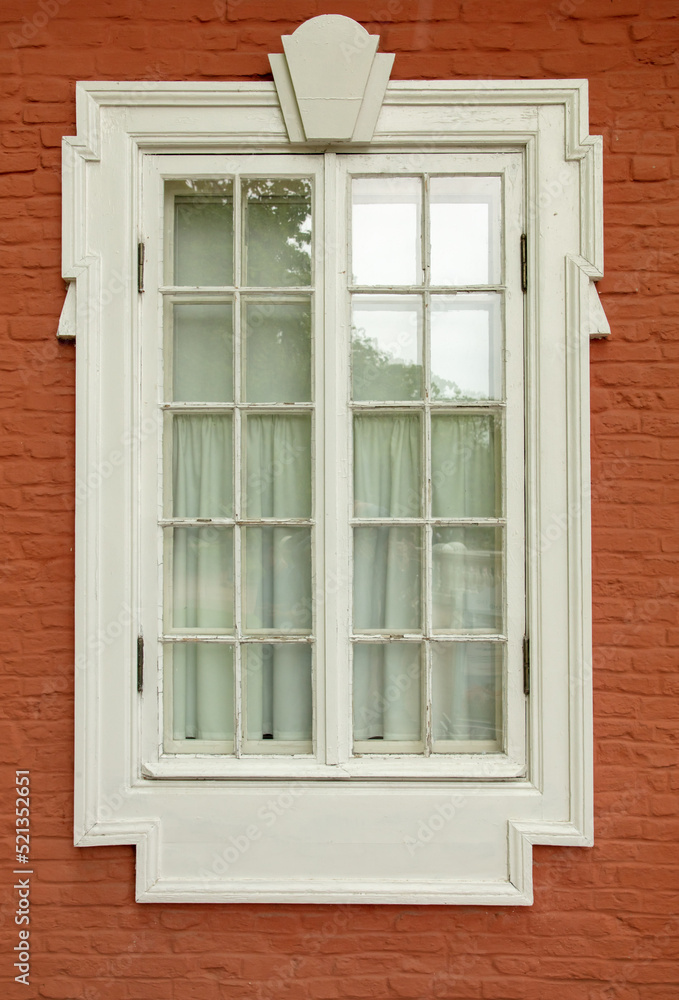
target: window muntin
<point>239,519</point>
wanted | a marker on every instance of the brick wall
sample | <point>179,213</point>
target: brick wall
<point>603,924</point>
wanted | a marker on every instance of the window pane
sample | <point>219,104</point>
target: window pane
<point>202,361</point>
<point>278,691</point>
<point>202,475</point>
<point>277,231</point>
<point>202,561</point>
<point>387,347</point>
<point>203,233</point>
<point>466,347</point>
<point>386,231</point>
<point>387,578</point>
<point>387,466</point>
<point>467,686</point>
<point>465,230</point>
<point>277,352</point>
<point>465,465</point>
<point>278,465</point>
<point>467,578</point>
<point>203,690</point>
<point>387,691</point>
<point>278,578</point>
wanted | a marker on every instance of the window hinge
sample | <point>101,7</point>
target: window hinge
<point>526,665</point>
<point>141,252</point>
<point>140,663</point>
<point>524,263</point>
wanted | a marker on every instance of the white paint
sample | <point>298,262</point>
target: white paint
<point>330,81</point>
<point>344,838</point>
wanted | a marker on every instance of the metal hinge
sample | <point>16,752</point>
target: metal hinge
<point>141,253</point>
<point>524,263</point>
<point>526,665</point>
<point>140,663</point>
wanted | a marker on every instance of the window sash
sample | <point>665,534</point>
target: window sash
<point>509,167</point>
<point>332,691</point>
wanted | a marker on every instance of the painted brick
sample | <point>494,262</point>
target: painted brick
<point>650,168</point>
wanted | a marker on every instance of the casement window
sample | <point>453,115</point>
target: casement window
<point>409,373</point>
<point>333,456</point>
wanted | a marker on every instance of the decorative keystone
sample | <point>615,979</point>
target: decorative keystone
<point>331,80</point>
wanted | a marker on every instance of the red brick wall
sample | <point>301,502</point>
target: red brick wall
<point>602,927</point>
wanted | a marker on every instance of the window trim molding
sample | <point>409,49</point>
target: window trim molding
<point>115,803</point>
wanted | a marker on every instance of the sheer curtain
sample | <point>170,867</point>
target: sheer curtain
<point>277,575</point>
<point>387,576</point>
<point>202,561</point>
<point>272,367</point>
<point>466,571</point>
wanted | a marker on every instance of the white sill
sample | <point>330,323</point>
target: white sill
<point>484,766</point>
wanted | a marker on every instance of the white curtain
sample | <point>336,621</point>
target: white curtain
<point>464,466</point>
<point>278,576</point>
<point>388,564</point>
<point>466,689</point>
<point>202,560</point>
<point>277,563</point>
<point>466,590</point>
<point>387,575</point>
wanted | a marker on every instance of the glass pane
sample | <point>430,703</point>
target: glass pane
<point>278,465</point>
<point>386,231</point>
<point>278,352</point>
<point>277,230</point>
<point>467,578</point>
<point>465,230</point>
<point>386,336</point>
<point>278,691</point>
<point>387,578</point>
<point>465,465</point>
<point>203,232</point>
<point>202,575</point>
<point>278,578</point>
<point>466,347</point>
<point>203,690</point>
<point>467,691</point>
<point>387,466</point>
<point>387,691</point>
<point>202,467</point>
<point>202,360</point>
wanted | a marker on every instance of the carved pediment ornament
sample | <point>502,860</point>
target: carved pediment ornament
<point>331,80</point>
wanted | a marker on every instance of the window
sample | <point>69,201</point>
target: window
<point>412,376</point>
<point>333,457</point>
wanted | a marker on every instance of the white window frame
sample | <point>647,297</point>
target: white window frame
<point>342,837</point>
